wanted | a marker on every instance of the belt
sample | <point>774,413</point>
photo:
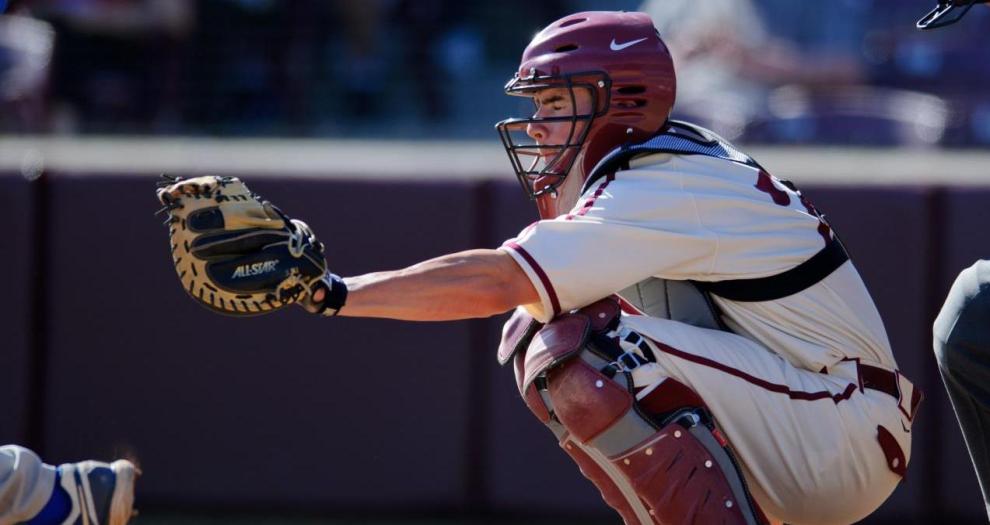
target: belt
<point>882,380</point>
<point>879,379</point>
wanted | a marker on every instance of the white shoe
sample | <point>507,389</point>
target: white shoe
<point>101,493</point>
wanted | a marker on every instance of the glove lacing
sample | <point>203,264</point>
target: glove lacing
<point>301,237</point>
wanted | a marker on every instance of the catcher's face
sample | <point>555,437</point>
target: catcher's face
<point>559,103</point>
<point>545,145</point>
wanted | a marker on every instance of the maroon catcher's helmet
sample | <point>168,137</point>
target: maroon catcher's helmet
<point>616,57</point>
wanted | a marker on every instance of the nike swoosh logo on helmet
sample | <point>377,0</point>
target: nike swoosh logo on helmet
<point>619,47</point>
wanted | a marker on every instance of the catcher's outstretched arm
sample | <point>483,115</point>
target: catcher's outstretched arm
<point>238,254</point>
<point>464,285</point>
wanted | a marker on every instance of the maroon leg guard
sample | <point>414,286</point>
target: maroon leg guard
<point>609,490</point>
<point>681,479</point>
<point>659,460</point>
<point>679,474</point>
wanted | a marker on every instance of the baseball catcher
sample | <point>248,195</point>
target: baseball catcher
<point>236,253</point>
<point>688,326</point>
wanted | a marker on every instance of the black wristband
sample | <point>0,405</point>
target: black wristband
<point>336,295</point>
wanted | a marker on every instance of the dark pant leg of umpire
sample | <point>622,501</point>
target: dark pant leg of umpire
<point>962,348</point>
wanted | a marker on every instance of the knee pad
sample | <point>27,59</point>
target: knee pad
<point>656,460</point>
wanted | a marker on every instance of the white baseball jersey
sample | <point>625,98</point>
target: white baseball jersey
<point>701,218</point>
<point>784,387</point>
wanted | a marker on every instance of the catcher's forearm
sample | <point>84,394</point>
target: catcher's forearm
<point>471,284</point>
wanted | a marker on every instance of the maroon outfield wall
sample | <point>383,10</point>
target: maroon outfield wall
<point>366,416</point>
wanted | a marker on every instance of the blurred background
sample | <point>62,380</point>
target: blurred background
<point>766,71</point>
<point>372,120</point>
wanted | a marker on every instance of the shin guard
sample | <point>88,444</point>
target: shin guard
<point>665,468</point>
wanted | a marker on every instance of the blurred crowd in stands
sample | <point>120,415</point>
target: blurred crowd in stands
<point>769,71</point>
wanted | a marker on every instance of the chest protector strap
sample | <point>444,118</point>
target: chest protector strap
<point>802,276</point>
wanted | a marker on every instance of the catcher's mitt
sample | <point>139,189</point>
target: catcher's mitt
<point>234,252</point>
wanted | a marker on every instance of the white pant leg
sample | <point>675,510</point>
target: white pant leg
<point>807,442</point>
<point>26,484</point>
